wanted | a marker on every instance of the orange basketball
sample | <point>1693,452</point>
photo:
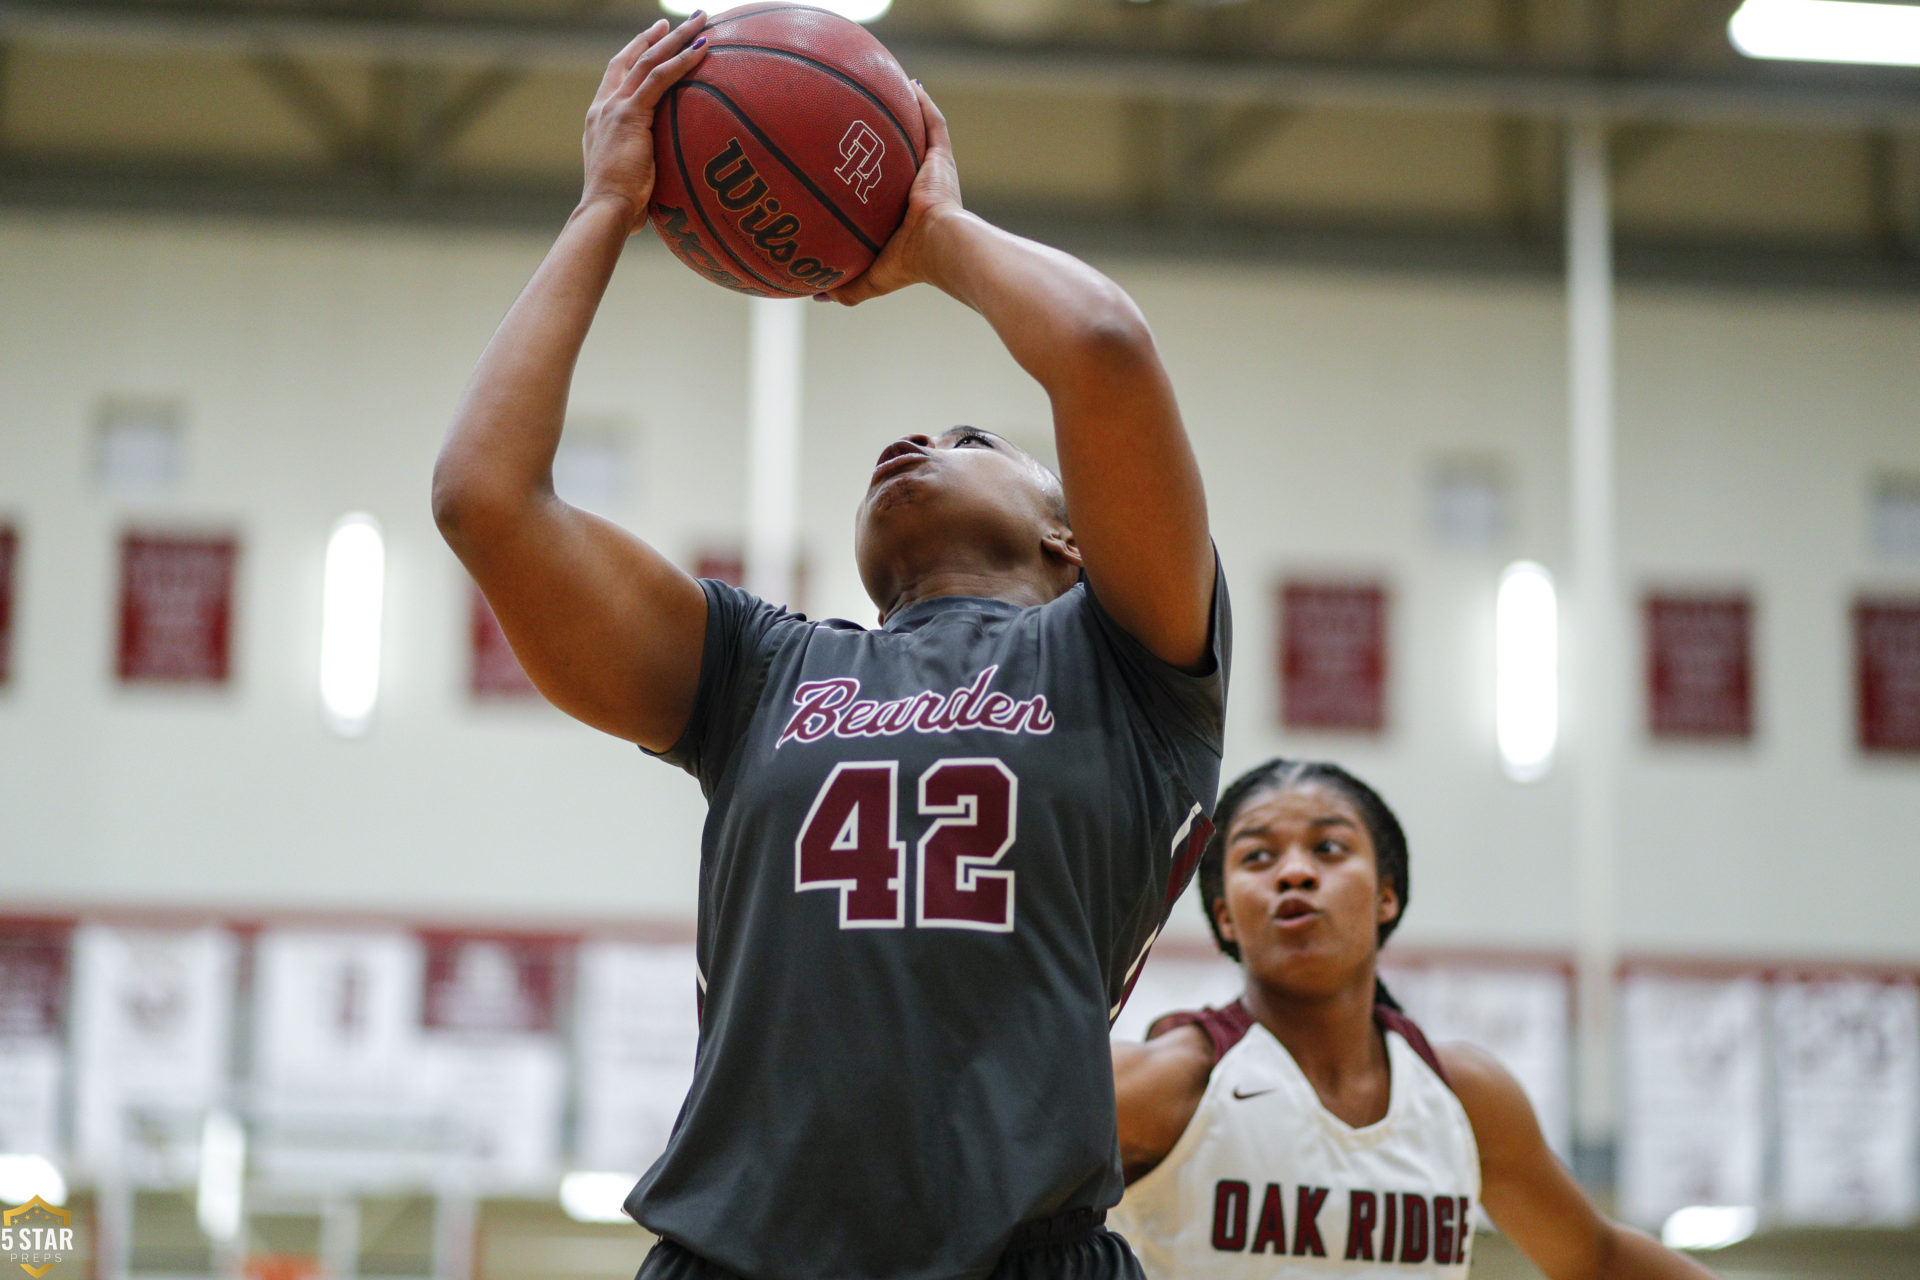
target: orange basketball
<point>783,161</point>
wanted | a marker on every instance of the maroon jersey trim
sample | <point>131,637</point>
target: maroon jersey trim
<point>1394,1020</point>
<point>1228,1025</point>
<point>1224,1027</point>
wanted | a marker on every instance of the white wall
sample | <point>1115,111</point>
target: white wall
<point>320,366</point>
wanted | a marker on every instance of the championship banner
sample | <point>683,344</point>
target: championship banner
<point>1521,1015</point>
<point>152,1019</point>
<point>635,1028</point>
<point>492,1069</point>
<point>1693,1132</point>
<point>1333,656</point>
<point>1847,1066</point>
<point>176,609</point>
<point>1172,980</point>
<point>33,998</point>
<point>1699,666</point>
<point>1886,644</point>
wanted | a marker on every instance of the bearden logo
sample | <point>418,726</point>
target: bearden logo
<point>860,152</point>
<point>736,183</point>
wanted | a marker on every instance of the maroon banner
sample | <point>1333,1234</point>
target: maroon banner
<point>493,671</point>
<point>1333,656</point>
<point>33,978</point>
<point>176,608</point>
<point>1699,651</point>
<point>1886,649</point>
<point>490,982</point>
<point>9,556</point>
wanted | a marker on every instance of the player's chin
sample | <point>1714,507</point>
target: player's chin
<point>895,492</point>
<point>1311,956</point>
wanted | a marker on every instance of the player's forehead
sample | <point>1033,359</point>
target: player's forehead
<point>1299,807</point>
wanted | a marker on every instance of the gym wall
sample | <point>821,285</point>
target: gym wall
<point>319,366</point>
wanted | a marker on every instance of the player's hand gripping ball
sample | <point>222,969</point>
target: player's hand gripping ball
<point>783,160</point>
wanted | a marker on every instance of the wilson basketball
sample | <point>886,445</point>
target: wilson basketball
<point>782,163</point>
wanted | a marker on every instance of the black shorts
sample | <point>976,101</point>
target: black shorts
<point>1074,1254</point>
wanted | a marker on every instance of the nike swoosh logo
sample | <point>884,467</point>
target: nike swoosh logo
<point>1256,1093</point>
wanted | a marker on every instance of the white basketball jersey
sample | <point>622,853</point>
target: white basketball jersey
<point>1267,1183</point>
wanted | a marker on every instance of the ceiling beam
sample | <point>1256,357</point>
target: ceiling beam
<point>1821,97</point>
<point>310,195</point>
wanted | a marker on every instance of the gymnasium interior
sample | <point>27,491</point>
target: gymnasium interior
<point>1554,370</point>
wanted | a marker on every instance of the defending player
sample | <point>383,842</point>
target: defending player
<point>935,852</point>
<point>1308,1128</point>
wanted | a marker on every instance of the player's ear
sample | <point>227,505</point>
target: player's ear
<point>1223,920</point>
<point>1388,907</point>
<point>1058,544</point>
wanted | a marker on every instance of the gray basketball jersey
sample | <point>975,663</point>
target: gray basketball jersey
<point>935,855</point>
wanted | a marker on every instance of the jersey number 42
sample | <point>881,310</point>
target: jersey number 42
<point>851,842</point>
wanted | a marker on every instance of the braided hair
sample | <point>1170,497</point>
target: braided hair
<point>1278,774</point>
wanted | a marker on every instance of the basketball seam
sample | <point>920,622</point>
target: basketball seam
<point>734,15</point>
<point>781,156</point>
<point>845,79</point>
<point>693,197</point>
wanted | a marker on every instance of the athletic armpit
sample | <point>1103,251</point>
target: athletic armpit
<point>1157,1089</point>
<point>1193,703</point>
<point>741,628</point>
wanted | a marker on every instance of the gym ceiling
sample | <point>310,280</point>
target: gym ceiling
<point>1397,133</point>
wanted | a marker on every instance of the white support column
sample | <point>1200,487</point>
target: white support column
<point>113,1229</point>
<point>773,448</point>
<point>340,1237</point>
<point>1599,691</point>
<point>456,1219</point>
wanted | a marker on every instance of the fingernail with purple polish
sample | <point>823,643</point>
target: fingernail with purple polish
<point>697,43</point>
<point>821,297</point>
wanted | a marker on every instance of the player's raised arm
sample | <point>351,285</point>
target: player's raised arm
<point>1133,489</point>
<point>1530,1195</point>
<point>608,629</point>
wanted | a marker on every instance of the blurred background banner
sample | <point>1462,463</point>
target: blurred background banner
<point>1847,1062</point>
<point>34,968</point>
<point>492,1066</point>
<point>635,1034</point>
<point>1519,1009</point>
<point>1696,1060</point>
<point>336,1073</point>
<point>152,1025</point>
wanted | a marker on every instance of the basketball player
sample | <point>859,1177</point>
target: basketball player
<point>935,851</point>
<point>1308,1128</point>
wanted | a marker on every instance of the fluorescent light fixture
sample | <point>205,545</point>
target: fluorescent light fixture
<point>350,624</point>
<point>1526,642</point>
<point>858,10</point>
<point>24,1177</point>
<point>1828,31</point>
<point>223,1168</point>
<point>1709,1226</point>
<point>596,1197</point>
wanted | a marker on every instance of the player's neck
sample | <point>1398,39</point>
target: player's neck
<point>1015,588</point>
<point>1335,1043</point>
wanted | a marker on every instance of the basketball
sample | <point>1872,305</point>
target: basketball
<point>783,161</point>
